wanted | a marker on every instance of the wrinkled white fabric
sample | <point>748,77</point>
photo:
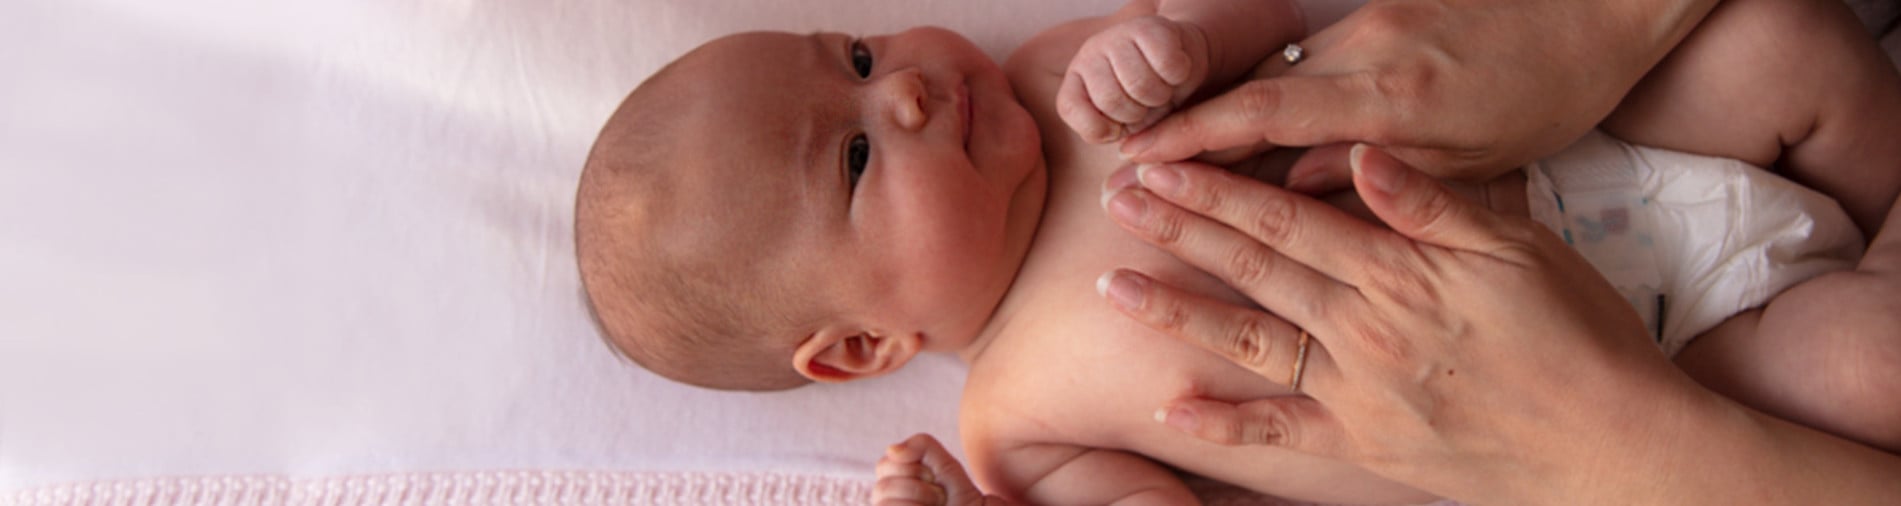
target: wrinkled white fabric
<point>1687,238</point>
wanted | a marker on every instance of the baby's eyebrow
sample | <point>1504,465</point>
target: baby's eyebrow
<point>805,140</point>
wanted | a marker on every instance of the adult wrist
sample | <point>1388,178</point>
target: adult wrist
<point>1656,26</point>
<point>1710,450</point>
<point>1650,442</point>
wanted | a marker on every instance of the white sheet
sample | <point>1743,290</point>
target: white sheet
<point>314,239</point>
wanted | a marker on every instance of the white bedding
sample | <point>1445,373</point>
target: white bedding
<point>303,240</point>
<point>325,245</point>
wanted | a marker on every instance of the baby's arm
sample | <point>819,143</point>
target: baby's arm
<point>920,471</point>
<point>1050,473</point>
<point>1160,52</point>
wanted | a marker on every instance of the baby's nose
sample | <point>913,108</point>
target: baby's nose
<point>904,93</point>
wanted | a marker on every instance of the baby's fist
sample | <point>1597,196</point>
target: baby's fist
<point>1129,76</point>
<point>919,471</point>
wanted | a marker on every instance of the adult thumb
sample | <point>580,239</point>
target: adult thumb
<point>1298,423</point>
<point>1418,206</point>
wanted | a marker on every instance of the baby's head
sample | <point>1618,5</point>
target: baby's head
<point>772,209</point>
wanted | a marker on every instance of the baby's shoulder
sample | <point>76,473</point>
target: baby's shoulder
<point>1048,53</point>
<point>1021,383</point>
<point>1009,413</point>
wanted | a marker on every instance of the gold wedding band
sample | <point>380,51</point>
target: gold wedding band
<point>1300,360</point>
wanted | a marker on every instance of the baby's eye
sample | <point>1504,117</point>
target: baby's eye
<point>857,155</point>
<point>861,59</point>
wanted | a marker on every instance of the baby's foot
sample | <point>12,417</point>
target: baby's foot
<point>919,471</point>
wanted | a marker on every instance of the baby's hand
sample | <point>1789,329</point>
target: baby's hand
<point>1130,76</point>
<point>920,472</point>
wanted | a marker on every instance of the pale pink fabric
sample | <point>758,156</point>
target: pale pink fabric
<point>498,487</point>
<point>292,252</point>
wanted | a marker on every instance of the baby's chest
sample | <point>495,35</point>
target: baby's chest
<point>1072,369</point>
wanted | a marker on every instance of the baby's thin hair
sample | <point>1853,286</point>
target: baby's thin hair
<point>660,304</point>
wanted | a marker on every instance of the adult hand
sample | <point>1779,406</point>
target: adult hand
<point>1462,89</point>
<point>1463,352</point>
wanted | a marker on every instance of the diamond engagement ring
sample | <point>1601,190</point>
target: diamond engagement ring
<point>1293,53</point>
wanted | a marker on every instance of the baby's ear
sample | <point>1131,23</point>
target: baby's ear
<point>838,354</point>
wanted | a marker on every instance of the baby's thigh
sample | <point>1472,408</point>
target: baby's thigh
<point>1826,353</point>
<point>1792,84</point>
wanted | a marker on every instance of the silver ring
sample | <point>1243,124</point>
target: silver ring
<point>1293,53</point>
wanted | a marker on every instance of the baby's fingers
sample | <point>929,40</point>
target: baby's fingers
<point>1139,79</point>
<point>906,491</point>
<point>889,468</point>
<point>1104,87</point>
<point>1074,105</point>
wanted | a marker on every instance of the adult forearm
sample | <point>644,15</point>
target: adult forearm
<point>1721,453</point>
<point>1652,27</point>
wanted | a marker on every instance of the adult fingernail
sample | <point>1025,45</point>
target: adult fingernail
<point>1121,178</point>
<point>1123,290</point>
<point>1385,177</point>
<point>1160,179</point>
<point>1297,183</point>
<point>1128,207</point>
<point>1181,419</point>
<point>1136,145</point>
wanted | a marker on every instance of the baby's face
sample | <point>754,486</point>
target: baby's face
<point>902,172</point>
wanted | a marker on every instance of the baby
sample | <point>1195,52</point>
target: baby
<point>775,209</point>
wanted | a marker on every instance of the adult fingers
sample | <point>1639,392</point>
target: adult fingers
<point>1284,286</point>
<point>1308,231</point>
<point>1233,156</point>
<point>1294,422</point>
<point>1268,68</point>
<point>1321,170</point>
<point>1419,207</point>
<point>1284,111</point>
<point>1249,337</point>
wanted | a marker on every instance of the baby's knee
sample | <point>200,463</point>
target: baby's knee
<point>1844,335</point>
<point>1868,411</point>
<point>1868,377</point>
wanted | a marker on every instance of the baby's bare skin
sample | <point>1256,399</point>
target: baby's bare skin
<point>1062,389</point>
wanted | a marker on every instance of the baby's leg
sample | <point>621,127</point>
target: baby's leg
<point>1825,353</point>
<point>1796,84</point>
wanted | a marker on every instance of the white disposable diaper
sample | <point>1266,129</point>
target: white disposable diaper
<point>1690,240</point>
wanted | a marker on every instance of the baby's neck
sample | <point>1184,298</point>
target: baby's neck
<point>999,320</point>
<point>1007,308</point>
<point>1017,296</point>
